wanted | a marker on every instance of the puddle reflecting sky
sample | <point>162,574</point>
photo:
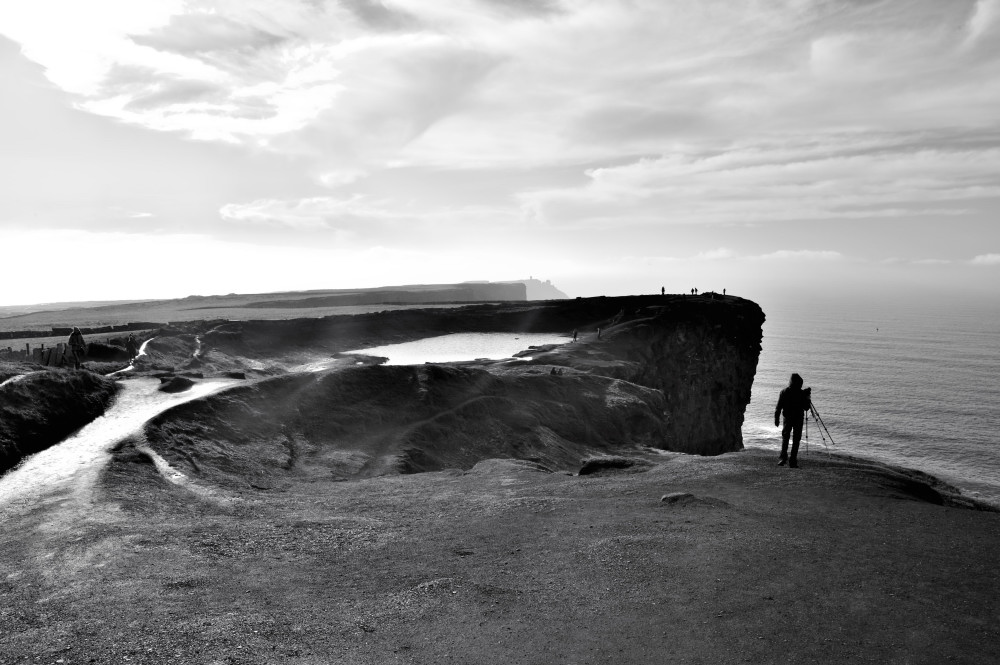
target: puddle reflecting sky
<point>462,346</point>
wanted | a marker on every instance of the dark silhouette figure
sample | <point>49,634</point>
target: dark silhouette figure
<point>793,401</point>
<point>574,335</point>
<point>723,292</point>
<point>77,347</point>
<point>132,346</point>
<point>663,290</point>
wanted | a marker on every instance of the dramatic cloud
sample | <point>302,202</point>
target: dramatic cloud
<point>588,128</point>
<point>792,178</point>
<point>477,82</point>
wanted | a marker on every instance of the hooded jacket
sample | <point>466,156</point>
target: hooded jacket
<point>793,402</point>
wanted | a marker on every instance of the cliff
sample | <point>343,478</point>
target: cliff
<point>701,353</point>
<point>417,294</point>
<point>679,558</point>
<point>665,372</point>
<point>536,289</point>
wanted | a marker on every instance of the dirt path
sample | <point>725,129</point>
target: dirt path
<point>70,469</point>
<point>835,562</point>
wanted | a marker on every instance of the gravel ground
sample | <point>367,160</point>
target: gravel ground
<point>838,561</point>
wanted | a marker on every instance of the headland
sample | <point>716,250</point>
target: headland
<point>589,504</point>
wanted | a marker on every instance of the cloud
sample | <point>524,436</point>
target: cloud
<point>983,20</point>
<point>716,255</point>
<point>359,220</point>
<point>932,262</point>
<point>794,177</point>
<point>800,255</point>
<point>342,177</point>
<point>501,82</point>
<point>615,116</point>
<point>321,212</point>
<point>205,32</point>
<point>986,260</point>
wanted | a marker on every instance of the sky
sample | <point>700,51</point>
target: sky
<point>774,148</point>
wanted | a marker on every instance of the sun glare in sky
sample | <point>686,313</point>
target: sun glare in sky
<point>172,147</point>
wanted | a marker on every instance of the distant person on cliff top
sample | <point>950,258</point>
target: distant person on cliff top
<point>77,347</point>
<point>793,402</point>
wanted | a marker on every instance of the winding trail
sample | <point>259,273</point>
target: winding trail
<point>68,470</point>
<point>142,352</point>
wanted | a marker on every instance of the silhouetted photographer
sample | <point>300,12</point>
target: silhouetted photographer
<point>793,402</point>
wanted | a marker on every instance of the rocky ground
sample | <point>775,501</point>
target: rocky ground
<point>838,561</point>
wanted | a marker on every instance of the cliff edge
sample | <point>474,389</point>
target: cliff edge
<point>700,352</point>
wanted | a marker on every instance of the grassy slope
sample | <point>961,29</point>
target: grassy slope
<point>46,407</point>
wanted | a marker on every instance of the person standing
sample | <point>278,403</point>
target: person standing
<point>132,346</point>
<point>793,402</point>
<point>77,347</point>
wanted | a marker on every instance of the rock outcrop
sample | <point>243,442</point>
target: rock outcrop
<point>700,352</point>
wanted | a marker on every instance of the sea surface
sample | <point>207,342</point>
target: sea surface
<point>914,385</point>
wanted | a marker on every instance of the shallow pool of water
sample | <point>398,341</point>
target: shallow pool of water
<point>461,346</point>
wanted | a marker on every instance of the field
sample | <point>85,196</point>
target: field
<point>267,306</point>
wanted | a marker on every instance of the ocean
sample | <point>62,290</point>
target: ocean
<point>910,384</point>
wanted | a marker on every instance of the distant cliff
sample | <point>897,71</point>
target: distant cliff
<point>539,290</point>
<point>403,295</point>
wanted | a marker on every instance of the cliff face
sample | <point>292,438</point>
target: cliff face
<point>539,290</point>
<point>700,352</point>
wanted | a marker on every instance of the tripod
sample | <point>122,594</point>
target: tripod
<point>822,427</point>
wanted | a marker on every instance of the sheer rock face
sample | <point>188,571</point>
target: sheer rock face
<point>700,352</point>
